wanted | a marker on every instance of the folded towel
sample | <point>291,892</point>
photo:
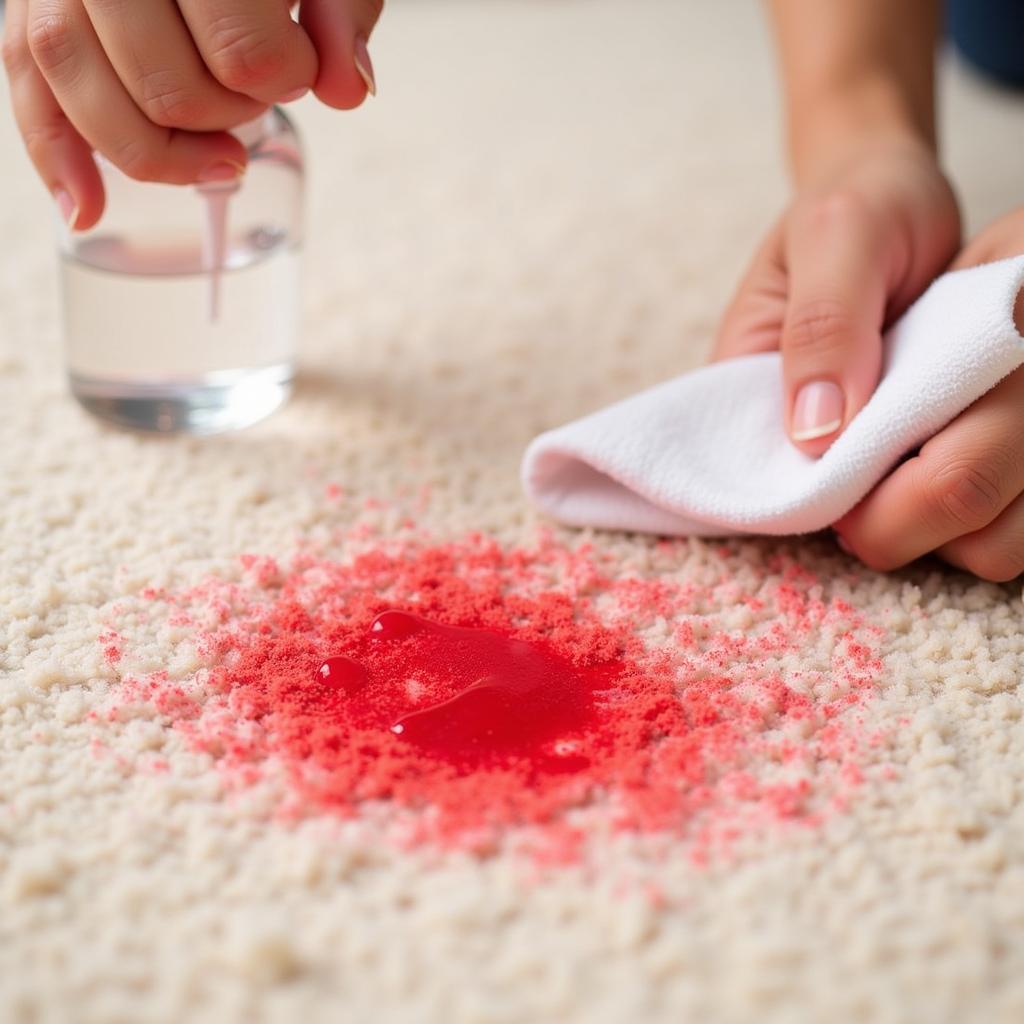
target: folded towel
<point>706,454</point>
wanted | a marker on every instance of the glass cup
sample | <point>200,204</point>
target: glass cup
<point>181,307</point>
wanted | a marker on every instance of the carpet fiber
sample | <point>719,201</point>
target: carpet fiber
<point>810,807</point>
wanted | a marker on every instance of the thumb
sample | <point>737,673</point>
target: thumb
<point>340,31</point>
<point>832,333</point>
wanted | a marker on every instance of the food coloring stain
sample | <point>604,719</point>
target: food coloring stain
<point>476,689</point>
<point>508,694</point>
<point>341,673</point>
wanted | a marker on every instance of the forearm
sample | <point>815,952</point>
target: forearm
<point>855,72</point>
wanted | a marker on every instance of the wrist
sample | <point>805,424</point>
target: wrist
<point>830,126</point>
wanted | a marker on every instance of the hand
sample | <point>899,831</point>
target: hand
<point>962,495</point>
<point>859,243</point>
<point>152,84</point>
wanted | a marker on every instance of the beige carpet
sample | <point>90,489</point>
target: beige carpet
<point>543,211</point>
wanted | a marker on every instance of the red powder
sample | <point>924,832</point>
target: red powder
<point>111,643</point>
<point>529,685</point>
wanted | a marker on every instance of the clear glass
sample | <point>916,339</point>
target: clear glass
<point>181,307</point>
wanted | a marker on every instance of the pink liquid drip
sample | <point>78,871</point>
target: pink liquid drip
<point>216,194</point>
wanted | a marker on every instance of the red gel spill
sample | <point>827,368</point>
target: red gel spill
<point>341,673</point>
<point>561,694</point>
<point>508,694</point>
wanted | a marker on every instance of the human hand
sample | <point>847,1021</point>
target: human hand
<point>153,84</point>
<point>962,495</point>
<point>858,244</point>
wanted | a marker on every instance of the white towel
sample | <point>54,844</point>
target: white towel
<point>706,454</point>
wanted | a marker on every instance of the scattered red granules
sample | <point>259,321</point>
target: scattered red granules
<point>624,696</point>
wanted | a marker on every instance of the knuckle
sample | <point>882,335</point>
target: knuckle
<point>168,103</point>
<point>51,42</point>
<point>966,493</point>
<point>241,57</point>
<point>136,160</point>
<point>818,327</point>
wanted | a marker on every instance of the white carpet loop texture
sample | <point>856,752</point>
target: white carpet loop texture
<point>542,212</point>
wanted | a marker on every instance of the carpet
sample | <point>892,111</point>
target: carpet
<point>801,799</point>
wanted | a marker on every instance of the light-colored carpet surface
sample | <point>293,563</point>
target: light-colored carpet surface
<point>544,210</point>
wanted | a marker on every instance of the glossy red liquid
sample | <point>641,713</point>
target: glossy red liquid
<point>481,692</point>
<point>341,673</point>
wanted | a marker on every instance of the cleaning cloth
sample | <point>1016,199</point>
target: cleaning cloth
<point>706,454</point>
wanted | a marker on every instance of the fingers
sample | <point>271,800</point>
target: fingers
<point>61,157</point>
<point>837,266</point>
<point>963,496</point>
<point>753,321</point>
<point>68,53</point>
<point>961,483</point>
<point>995,553</point>
<point>253,47</point>
<point>340,32</point>
<point>149,46</point>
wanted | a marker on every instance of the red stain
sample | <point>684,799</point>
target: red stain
<point>341,673</point>
<point>532,687</point>
<point>112,644</point>
<point>488,695</point>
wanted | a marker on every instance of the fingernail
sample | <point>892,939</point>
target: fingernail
<point>67,206</point>
<point>295,94</point>
<point>223,170</point>
<point>843,546</point>
<point>818,410</point>
<point>364,65</point>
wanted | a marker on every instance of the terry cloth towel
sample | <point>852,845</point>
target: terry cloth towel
<point>706,454</point>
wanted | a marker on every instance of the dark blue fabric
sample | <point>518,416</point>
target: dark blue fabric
<point>990,34</point>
